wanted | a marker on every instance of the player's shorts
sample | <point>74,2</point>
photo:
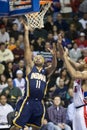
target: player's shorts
<point>31,113</point>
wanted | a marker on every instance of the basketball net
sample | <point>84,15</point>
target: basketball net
<point>35,20</point>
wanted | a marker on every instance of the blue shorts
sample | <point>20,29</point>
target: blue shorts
<point>31,113</point>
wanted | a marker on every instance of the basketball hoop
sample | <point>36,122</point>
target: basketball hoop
<point>42,2</point>
<point>35,20</point>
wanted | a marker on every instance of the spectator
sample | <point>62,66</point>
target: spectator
<point>48,125</point>
<point>2,68</point>
<point>14,31</point>
<point>81,41</point>
<point>65,76</point>
<point>40,33</point>
<point>83,6</point>
<point>75,21</point>
<point>13,93</point>
<point>56,6</point>
<point>72,34</point>
<point>57,114</point>
<point>61,90</point>
<point>61,23</point>
<point>85,31</point>
<point>70,96</point>
<point>19,81</point>
<point>11,46</point>
<point>7,22</point>
<point>75,5</point>
<point>3,82</point>
<point>9,70</point>
<point>39,44</point>
<point>49,23</point>
<point>75,53</point>
<point>83,20</point>
<point>21,66</point>
<point>5,109</point>
<point>5,54</point>
<point>21,41</point>
<point>47,45</point>
<point>4,36</point>
<point>18,21</point>
<point>18,52</point>
<point>50,38</point>
<point>66,9</point>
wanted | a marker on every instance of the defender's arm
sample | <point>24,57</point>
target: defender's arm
<point>73,72</point>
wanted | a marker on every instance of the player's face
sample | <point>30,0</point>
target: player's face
<point>39,60</point>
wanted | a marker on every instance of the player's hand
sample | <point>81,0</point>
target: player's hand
<point>59,43</point>
<point>26,27</point>
<point>53,52</point>
<point>66,51</point>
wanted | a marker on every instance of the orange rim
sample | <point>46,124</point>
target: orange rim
<point>42,2</point>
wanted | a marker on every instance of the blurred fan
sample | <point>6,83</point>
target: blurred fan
<point>83,7</point>
<point>2,68</point>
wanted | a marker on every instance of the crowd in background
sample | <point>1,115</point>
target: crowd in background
<point>65,17</point>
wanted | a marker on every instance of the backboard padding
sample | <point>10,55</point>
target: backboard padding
<point>18,7</point>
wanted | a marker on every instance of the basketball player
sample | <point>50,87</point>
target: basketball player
<point>80,97</point>
<point>32,110</point>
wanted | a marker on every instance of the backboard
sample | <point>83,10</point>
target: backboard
<point>18,7</point>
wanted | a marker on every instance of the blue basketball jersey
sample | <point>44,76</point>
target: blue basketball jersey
<point>36,83</point>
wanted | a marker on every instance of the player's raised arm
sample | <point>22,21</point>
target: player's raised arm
<point>27,51</point>
<point>60,47</point>
<point>53,66</point>
<point>72,70</point>
<point>75,64</point>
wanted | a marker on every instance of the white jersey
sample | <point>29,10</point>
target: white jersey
<point>79,120</point>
